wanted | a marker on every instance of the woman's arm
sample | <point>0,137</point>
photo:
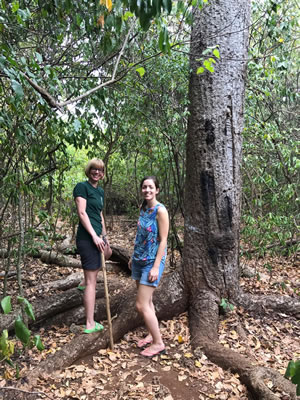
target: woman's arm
<point>163,230</point>
<point>103,224</point>
<point>85,221</point>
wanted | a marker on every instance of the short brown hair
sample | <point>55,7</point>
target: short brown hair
<point>94,163</point>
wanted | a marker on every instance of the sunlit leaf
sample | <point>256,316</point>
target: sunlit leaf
<point>141,71</point>
<point>216,53</point>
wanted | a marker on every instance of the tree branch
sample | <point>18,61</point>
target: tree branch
<point>54,104</point>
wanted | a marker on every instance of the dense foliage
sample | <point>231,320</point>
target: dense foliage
<point>271,164</point>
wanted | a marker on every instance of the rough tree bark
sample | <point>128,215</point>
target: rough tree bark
<point>213,179</point>
<point>213,185</point>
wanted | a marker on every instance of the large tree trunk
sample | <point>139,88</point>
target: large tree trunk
<point>213,179</point>
<point>213,184</point>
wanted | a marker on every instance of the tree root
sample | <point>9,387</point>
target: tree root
<point>260,304</point>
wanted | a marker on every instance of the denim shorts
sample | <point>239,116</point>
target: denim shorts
<point>140,272</point>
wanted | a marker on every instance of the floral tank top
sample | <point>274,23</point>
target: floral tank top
<point>147,238</point>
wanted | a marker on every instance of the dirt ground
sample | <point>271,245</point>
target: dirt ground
<point>179,374</point>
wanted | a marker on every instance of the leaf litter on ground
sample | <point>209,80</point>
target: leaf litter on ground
<point>180,374</point>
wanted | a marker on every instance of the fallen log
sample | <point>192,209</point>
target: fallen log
<point>119,255</point>
<point>125,318</point>
<point>53,308</point>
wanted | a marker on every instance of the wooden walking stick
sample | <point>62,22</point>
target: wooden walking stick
<point>107,302</point>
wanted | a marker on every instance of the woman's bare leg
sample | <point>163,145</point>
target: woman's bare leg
<point>146,308</point>
<point>89,297</point>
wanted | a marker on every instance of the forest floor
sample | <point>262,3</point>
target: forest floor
<point>123,374</point>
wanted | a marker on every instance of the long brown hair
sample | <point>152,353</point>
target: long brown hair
<point>156,183</point>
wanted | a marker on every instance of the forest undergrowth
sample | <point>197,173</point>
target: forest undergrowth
<point>271,340</point>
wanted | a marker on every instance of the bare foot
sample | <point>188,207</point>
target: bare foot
<point>153,350</point>
<point>143,342</point>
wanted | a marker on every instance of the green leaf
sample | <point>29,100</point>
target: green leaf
<point>141,71</point>
<point>15,6</point>
<point>3,342</point>
<point>10,363</point>
<point>216,53</point>
<point>6,304</point>
<point>17,88</point>
<point>206,51</point>
<point>28,307</point>
<point>38,343</point>
<point>208,66</point>
<point>161,40</point>
<point>167,5</point>
<point>22,332</point>
<point>127,15</point>
<point>7,347</point>
<point>77,125</point>
<point>290,369</point>
<point>39,57</point>
<point>200,70</point>
<point>223,303</point>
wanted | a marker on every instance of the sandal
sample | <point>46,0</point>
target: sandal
<point>143,342</point>
<point>149,354</point>
<point>98,327</point>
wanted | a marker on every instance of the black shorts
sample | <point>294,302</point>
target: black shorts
<point>89,254</point>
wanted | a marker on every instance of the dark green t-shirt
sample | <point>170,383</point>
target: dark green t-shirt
<point>94,205</point>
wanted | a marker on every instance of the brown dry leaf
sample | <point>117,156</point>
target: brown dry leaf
<point>79,368</point>
<point>89,389</point>
<point>112,356</point>
<point>215,375</point>
<point>258,345</point>
<point>140,377</point>
<point>100,21</point>
<point>234,335</point>
<point>277,350</point>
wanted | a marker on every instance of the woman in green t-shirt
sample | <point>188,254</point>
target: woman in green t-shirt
<point>91,235</point>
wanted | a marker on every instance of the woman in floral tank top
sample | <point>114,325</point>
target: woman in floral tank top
<point>148,261</point>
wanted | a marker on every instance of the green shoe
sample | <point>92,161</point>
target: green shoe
<point>82,288</point>
<point>97,328</point>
